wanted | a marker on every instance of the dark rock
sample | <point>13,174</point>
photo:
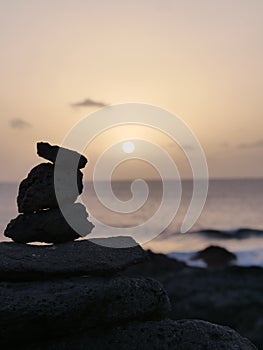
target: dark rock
<point>25,262</point>
<point>67,158</point>
<point>215,257</point>
<point>180,335</point>
<point>232,296</point>
<point>35,310</point>
<point>48,226</point>
<point>37,190</point>
<point>155,266</point>
<point>154,335</point>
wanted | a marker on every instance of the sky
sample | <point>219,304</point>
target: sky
<point>199,59</point>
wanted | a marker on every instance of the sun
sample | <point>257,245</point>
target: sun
<point>128,147</point>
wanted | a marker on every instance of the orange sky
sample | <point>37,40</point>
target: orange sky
<point>200,59</point>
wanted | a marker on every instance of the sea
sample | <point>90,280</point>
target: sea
<point>232,218</point>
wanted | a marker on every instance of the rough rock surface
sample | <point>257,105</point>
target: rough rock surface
<point>67,158</point>
<point>232,296</point>
<point>48,226</point>
<point>154,335</point>
<point>215,257</point>
<point>33,310</point>
<point>26,262</point>
<point>37,191</point>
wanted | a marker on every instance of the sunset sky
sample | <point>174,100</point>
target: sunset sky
<point>200,59</point>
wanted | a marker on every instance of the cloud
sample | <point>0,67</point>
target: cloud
<point>256,144</point>
<point>88,102</point>
<point>18,123</point>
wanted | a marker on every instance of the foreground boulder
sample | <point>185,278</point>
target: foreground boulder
<point>154,335</point>
<point>76,304</point>
<point>232,296</point>
<point>95,312</point>
<point>49,226</point>
<point>31,262</point>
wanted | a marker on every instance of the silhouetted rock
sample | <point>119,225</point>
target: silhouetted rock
<point>231,296</point>
<point>155,265</point>
<point>179,335</point>
<point>35,310</point>
<point>48,226</point>
<point>67,158</point>
<point>26,262</point>
<point>215,257</point>
<point>154,335</point>
<point>37,190</point>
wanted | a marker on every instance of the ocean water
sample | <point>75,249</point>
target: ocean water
<point>232,217</point>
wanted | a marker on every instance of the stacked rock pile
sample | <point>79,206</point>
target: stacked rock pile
<point>41,219</point>
<point>73,296</point>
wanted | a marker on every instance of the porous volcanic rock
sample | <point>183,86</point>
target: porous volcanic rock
<point>49,226</point>
<point>37,191</point>
<point>35,310</point>
<point>67,158</point>
<point>26,262</point>
<point>154,335</point>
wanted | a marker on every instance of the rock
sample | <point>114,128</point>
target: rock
<point>179,335</point>
<point>231,296</point>
<point>35,310</point>
<point>67,158</point>
<point>154,335</point>
<point>156,265</point>
<point>48,226</point>
<point>37,190</point>
<point>215,257</point>
<point>26,262</point>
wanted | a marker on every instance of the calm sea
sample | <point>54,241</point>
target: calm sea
<point>230,206</point>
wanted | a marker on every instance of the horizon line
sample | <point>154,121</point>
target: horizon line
<point>160,180</point>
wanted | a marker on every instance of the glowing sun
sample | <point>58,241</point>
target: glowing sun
<point>128,147</point>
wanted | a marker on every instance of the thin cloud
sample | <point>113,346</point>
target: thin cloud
<point>257,144</point>
<point>88,102</point>
<point>18,123</point>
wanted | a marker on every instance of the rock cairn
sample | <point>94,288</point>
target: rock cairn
<point>41,219</point>
<point>75,295</point>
